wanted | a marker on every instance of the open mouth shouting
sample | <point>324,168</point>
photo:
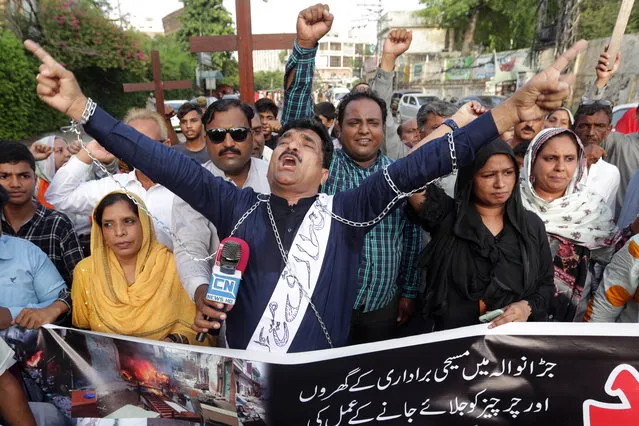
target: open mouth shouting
<point>289,160</point>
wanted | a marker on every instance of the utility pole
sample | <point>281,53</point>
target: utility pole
<point>375,11</point>
<point>120,16</point>
<point>567,25</point>
<point>558,31</point>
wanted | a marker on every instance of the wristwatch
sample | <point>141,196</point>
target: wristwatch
<point>451,123</point>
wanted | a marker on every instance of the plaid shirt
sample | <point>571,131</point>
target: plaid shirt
<point>390,249</point>
<point>298,98</point>
<point>53,233</point>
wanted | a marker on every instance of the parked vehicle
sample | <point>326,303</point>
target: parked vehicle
<point>410,104</point>
<point>395,98</point>
<point>619,111</point>
<point>335,94</point>
<point>209,100</point>
<point>175,104</point>
<point>489,101</point>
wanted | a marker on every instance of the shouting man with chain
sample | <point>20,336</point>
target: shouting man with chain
<point>302,300</point>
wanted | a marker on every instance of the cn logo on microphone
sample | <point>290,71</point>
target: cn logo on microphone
<point>223,287</point>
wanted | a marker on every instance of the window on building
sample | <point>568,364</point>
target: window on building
<point>336,61</point>
<point>349,49</point>
<point>359,49</point>
<point>323,46</point>
<point>336,47</point>
<point>347,62</point>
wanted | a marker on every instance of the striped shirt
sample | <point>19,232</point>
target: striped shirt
<point>390,249</point>
<point>53,233</point>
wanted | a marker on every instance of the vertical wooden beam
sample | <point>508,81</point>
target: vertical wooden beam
<point>618,32</point>
<point>245,52</point>
<point>157,82</point>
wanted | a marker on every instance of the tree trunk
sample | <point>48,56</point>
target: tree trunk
<point>469,34</point>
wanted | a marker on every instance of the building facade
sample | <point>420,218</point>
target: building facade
<point>171,22</point>
<point>268,60</point>
<point>341,60</point>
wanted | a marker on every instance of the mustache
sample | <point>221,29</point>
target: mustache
<point>231,150</point>
<point>530,129</point>
<point>293,153</point>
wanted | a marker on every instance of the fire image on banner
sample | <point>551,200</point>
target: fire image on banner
<point>89,375</point>
<point>518,374</point>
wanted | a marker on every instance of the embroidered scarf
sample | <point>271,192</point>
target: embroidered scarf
<point>281,320</point>
<point>580,216</point>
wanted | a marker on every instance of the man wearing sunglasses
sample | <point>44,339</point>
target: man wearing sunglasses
<point>229,142</point>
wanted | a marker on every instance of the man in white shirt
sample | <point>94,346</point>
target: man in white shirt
<point>593,125</point>
<point>260,150</point>
<point>231,160</point>
<point>70,192</point>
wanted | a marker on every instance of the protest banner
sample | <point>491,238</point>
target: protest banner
<point>518,374</point>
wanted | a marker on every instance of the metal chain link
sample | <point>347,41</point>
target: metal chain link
<point>453,152</point>
<point>400,195</point>
<point>73,128</point>
<point>284,254</point>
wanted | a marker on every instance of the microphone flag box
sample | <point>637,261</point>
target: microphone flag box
<point>223,287</point>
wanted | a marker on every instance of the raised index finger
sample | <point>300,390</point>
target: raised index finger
<point>569,55</point>
<point>41,54</point>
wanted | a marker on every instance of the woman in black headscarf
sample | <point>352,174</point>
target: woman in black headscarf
<point>487,252</point>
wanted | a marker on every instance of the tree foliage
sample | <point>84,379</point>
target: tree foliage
<point>501,24</point>
<point>23,114</point>
<point>268,80</point>
<point>598,18</point>
<point>207,18</point>
<point>79,35</point>
<point>177,64</point>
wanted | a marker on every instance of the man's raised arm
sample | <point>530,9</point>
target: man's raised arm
<point>312,24</point>
<point>543,93</point>
<point>59,88</point>
<point>397,42</point>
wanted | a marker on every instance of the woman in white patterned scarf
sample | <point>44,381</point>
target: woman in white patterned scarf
<point>580,225</point>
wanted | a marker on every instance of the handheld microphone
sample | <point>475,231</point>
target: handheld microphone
<point>231,261</point>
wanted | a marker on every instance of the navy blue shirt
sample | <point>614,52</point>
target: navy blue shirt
<point>223,204</point>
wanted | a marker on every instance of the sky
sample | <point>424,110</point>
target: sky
<point>279,16</point>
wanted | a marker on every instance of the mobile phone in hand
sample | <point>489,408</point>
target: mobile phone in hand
<point>489,316</point>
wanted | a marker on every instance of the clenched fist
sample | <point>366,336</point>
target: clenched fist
<point>312,24</point>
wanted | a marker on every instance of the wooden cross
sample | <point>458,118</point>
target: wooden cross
<point>620,29</point>
<point>245,43</point>
<point>158,86</point>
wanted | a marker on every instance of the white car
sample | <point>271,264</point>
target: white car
<point>336,94</point>
<point>175,104</point>
<point>410,104</point>
<point>619,111</point>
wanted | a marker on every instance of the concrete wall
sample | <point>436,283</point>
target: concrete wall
<point>624,86</point>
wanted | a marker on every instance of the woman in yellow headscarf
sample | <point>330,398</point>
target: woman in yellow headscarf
<point>129,285</point>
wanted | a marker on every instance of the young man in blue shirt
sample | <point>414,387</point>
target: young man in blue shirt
<point>32,291</point>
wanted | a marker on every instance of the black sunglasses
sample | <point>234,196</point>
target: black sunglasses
<point>239,134</point>
<point>602,102</point>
